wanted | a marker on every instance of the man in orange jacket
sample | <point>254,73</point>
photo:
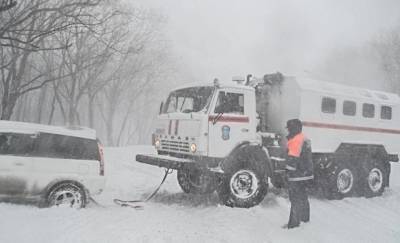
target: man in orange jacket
<point>299,167</point>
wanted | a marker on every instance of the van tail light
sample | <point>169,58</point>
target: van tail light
<point>101,153</point>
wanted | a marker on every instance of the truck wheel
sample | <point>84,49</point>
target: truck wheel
<point>343,181</point>
<point>373,181</point>
<point>193,180</point>
<point>243,184</point>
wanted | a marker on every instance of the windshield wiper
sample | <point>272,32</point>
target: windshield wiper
<point>183,102</point>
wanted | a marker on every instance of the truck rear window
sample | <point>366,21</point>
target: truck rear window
<point>368,110</point>
<point>349,108</point>
<point>328,105</point>
<point>386,112</point>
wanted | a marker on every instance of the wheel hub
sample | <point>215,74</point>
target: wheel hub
<point>68,198</point>
<point>375,179</point>
<point>345,181</point>
<point>244,184</point>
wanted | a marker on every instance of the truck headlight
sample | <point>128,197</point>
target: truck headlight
<point>193,147</point>
<point>157,143</point>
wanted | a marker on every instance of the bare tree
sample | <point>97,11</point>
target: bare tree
<point>131,74</point>
<point>89,62</point>
<point>102,67</point>
<point>24,31</point>
<point>7,4</point>
<point>388,49</point>
<point>139,78</point>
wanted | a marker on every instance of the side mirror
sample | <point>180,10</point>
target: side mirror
<point>161,107</point>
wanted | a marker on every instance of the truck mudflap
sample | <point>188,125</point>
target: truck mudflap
<point>164,161</point>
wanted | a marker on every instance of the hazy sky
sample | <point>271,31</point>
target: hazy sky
<point>224,38</point>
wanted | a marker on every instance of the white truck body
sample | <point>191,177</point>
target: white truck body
<point>302,98</point>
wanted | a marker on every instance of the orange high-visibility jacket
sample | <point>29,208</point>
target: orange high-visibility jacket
<point>299,163</point>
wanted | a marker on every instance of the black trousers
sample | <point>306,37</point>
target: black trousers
<point>300,206</point>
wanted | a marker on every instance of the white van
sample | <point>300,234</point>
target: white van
<point>50,165</point>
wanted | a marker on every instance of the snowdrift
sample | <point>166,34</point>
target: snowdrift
<point>173,216</point>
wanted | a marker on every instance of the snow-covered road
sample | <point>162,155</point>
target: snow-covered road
<point>173,216</point>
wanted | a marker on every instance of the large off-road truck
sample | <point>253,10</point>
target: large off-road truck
<point>231,138</point>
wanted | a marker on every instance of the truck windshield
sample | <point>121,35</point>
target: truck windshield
<point>193,99</point>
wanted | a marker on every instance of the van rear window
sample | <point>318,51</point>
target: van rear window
<point>16,143</point>
<point>66,147</point>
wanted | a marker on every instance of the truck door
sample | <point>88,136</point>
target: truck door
<point>228,122</point>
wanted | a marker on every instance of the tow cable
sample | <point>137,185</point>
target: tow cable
<point>134,203</point>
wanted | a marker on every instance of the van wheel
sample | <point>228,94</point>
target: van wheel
<point>243,184</point>
<point>343,181</point>
<point>194,180</point>
<point>68,195</point>
<point>373,181</point>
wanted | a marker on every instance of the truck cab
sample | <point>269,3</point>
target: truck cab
<point>201,131</point>
<point>206,121</point>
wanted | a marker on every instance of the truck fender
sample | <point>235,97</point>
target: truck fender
<point>256,150</point>
<point>355,150</point>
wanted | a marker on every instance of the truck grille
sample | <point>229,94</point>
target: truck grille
<point>176,146</point>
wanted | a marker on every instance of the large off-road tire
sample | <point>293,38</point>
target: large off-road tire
<point>343,181</point>
<point>194,180</point>
<point>373,179</point>
<point>244,183</point>
<point>67,194</point>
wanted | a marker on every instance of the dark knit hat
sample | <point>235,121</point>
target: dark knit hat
<point>294,127</point>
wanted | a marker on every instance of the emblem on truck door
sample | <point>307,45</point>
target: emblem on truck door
<point>225,132</point>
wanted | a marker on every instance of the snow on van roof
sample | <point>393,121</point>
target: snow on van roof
<point>341,89</point>
<point>25,127</point>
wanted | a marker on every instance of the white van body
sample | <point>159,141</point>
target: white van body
<point>27,173</point>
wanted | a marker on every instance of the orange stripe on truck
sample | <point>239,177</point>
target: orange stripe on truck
<point>349,128</point>
<point>244,119</point>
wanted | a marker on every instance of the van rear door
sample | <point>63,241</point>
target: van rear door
<point>15,163</point>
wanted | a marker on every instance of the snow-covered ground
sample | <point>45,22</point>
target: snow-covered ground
<point>173,216</point>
